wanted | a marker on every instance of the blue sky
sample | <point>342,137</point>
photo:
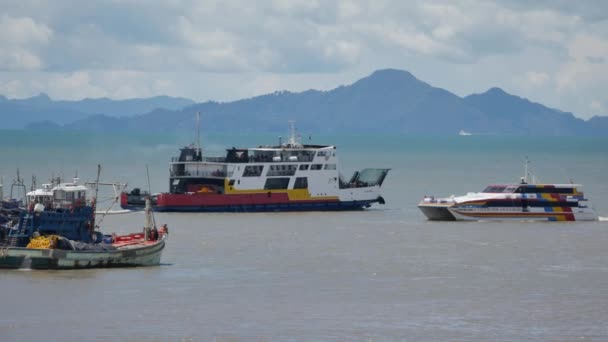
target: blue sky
<point>553,52</point>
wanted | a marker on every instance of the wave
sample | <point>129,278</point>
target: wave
<point>114,212</point>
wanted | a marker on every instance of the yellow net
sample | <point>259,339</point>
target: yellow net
<point>43,242</point>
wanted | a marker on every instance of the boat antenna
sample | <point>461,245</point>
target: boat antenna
<point>94,199</point>
<point>20,185</point>
<point>291,142</point>
<point>97,185</point>
<point>524,179</point>
<point>148,199</point>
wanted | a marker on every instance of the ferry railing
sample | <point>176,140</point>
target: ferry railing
<point>280,173</point>
<point>217,174</point>
<point>252,159</point>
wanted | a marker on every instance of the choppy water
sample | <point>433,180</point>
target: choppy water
<point>380,274</point>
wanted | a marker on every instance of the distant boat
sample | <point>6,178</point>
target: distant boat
<point>463,132</point>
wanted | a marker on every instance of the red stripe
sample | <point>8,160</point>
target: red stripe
<point>228,199</point>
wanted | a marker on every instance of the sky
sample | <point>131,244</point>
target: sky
<point>550,51</point>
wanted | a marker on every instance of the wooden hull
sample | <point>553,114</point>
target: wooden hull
<point>25,258</point>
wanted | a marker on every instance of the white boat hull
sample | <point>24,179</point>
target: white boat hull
<point>518,214</point>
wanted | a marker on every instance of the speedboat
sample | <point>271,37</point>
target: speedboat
<point>522,202</point>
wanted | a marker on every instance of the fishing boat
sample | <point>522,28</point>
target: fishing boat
<point>521,201</point>
<point>58,231</point>
<point>290,176</point>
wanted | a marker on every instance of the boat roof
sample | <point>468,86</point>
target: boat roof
<point>291,147</point>
<point>70,187</point>
<point>544,185</point>
<point>40,192</point>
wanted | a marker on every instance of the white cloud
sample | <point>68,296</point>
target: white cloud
<point>20,37</point>
<point>536,79</point>
<point>578,71</point>
<point>596,106</point>
<point>22,31</point>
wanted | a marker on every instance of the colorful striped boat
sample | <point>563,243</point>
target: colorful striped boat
<point>521,202</point>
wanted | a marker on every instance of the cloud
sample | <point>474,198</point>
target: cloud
<point>536,79</point>
<point>20,39</point>
<point>552,51</point>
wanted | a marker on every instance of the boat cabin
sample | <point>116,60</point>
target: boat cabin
<point>566,189</point>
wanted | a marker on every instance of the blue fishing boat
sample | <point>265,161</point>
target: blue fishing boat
<point>58,231</point>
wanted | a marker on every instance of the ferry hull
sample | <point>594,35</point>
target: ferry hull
<point>253,203</point>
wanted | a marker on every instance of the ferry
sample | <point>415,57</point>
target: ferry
<point>289,176</point>
<point>519,202</point>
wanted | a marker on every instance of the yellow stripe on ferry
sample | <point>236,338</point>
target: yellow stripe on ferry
<point>293,194</point>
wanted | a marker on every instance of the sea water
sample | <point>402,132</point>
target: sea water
<point>380,274</point>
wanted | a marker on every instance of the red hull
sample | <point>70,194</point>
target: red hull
<point>173,200</point>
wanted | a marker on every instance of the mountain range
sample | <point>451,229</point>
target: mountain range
<point>387,101</point>
<point>41,111</point>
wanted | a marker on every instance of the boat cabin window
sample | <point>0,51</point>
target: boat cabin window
<point>495,189</point>
<point>316,166</point>
<point>532,189</point>
<point>330,166</point>
<point>59,195</point>
<point>322,154</point>
<point>301,183</point>
<point>276,183</point>
<point>303,167</point>
<point>253,170</point>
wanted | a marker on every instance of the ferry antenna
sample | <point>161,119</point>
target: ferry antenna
<point>198,131</point>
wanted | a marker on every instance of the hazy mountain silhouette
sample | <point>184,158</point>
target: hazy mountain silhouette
<point>17,113</point>
<point>387,101</point>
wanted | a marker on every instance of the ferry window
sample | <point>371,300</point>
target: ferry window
<point>231,182</point>
<point>301,183</point>
<point>330,166</point>
<point>303,167</point>
<point>276,183</point>
<point>316,166</point>
<point>321,154</point>
<point>282,170</point>
<point>253,170</point>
